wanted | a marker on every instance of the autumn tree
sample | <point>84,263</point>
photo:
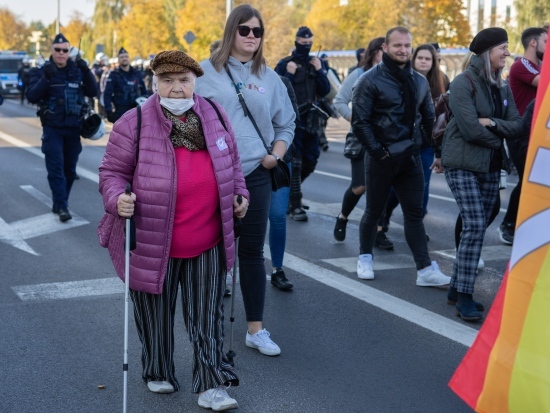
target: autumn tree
<point>14,33</point>
<point>79,32</point>
<point>144,29</point>
<point>105,21</point>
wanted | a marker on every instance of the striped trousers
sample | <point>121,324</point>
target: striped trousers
<point>202,282</point>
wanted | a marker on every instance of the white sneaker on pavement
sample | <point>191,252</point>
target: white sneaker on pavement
<point>262,343</point>
<point>432,277</point>
<point>364,267</point>
<point>217,399</point>
<point>160,387</point>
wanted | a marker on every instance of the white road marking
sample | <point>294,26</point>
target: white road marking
<point>488,253</point>
<point>16,232</point>
<point>349,264</point>
<point>420,316</point>
<point>71,289</point>
<point>83,173</point>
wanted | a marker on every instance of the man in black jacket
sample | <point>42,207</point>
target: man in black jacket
<point>59,88</point>
<point>310,83</point>
<point>390,103</point>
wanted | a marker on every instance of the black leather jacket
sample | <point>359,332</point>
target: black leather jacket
<point>378,109</point>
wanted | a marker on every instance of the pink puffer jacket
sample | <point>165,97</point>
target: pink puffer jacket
<point>153,181</point>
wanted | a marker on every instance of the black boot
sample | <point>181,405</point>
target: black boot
<point>452,297</point>
<point>466,309</point>
<point>340,229</point>
<point>279,280</point>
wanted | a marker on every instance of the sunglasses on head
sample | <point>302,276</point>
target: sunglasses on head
<point>245,31</point>
<point>58,50</point>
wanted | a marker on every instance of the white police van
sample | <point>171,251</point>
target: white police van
<point>10,62</point>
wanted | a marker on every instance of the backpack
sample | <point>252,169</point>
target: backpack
<point>443,113</point>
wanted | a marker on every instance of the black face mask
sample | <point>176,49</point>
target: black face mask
<point>540,55</point>
<point>302,50</point>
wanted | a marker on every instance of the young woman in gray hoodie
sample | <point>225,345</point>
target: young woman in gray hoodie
<point>241,54</point>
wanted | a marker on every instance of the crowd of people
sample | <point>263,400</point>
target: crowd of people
<point>198,142</point>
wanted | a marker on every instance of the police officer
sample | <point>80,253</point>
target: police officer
<point>23,77</point>
<point>124,86</point>
<point>59,88</point>
<point>310,83</point>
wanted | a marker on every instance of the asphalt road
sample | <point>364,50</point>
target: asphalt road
<point>347,345</point>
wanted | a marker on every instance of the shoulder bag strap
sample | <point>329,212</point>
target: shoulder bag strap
<point>218,113</point>
<point>247,112</point>
<point>471,82</point>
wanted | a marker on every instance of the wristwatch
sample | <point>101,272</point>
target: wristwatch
<point>276,157</point>
<point>493,125</point>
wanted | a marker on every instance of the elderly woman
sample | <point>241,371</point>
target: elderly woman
<point>186,180</point>
<point>239,63</point>
<point>484,114</point>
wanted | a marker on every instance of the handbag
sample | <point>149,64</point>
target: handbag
<point>401,149</point>
<point>280,174</point>
<point>353,148</point>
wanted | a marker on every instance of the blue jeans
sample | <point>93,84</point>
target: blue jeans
<point>277,224</point>
<point>427,158</point>
<point>61,147</point>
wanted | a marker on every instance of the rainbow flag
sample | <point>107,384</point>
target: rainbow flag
<point>507,369</point>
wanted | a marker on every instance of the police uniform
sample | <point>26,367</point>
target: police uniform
<point>122,90</point>
<point>309,85</point>
<point>60,92</point>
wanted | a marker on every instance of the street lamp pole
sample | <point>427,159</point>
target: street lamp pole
<point>228,8</point>
<point>58,16</point>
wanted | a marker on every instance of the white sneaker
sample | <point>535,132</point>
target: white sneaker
<point>160,387</point>
<point>480,264</point>
<point>262,343</point>
<point>217,399</point>
<point>432,277</point>
<point>364,267</point>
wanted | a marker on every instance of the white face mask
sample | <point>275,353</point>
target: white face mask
<point>177,106</point>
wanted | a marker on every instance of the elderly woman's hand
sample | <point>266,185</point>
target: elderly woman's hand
<point>240,209</point>
<point>437,166</point>
<point>269,162</point>
<point>125,205</point>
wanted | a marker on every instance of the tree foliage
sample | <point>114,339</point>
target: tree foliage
<point>14,33</point>
<point>144,29</point>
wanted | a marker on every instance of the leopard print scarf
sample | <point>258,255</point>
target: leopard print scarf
<point>188,134</point>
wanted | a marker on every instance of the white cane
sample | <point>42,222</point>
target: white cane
<point>126,298</point>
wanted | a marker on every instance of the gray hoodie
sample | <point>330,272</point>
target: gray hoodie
<point>265,96</point>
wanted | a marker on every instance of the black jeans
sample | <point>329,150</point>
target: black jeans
<point>251,243</point>
<point>407,178</point>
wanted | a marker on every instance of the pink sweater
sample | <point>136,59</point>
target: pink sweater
<point>197,219</point>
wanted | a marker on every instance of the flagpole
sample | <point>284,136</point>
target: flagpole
<point>58,16</point>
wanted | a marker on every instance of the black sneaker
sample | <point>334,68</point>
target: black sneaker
<point>279,280</point>
<point>340,229</point>
<point>64,215</point>
<point>298,214</point>
<point>382,241</point>
<point>506,233</point>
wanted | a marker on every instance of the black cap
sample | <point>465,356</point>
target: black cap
<point>436,47</point>
<point>122,50</point>
<point>60,39</point>
<point>304,32</point>
<point>487,39</point>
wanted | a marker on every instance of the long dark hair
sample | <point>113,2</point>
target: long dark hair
<point>239,15</point>
<point>434,76</point>
<point>368,58</point>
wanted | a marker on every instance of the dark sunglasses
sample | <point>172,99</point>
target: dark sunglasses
<point>256,31</point>
<point>58,50</point>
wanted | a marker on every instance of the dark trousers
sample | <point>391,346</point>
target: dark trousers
<point>519,157</point>
<point>202,282</point>
<point>251,243</point>
<point>61,147</point>
<point>407,178</point>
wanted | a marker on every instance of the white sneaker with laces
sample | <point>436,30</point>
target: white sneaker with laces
<point>364,267</point>
<point>160,387</point>
<point>432,277</point>
<point>262,343</point>
<point>217,399</point>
